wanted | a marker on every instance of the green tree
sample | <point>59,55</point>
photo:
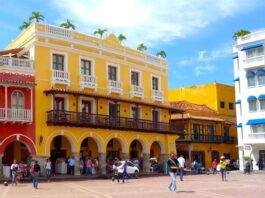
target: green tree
<point>25,25</point>
<point>141,47</point>
<point>162,54</point>
<point>240,33</point>
<point>37,16</point>
<point>100,32</point>
<point>121,38</point>
<point>68,25</point>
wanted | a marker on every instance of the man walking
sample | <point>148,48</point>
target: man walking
<point>71,163</point>
<point>14,169</point>
<point>173,167</point>
<point>181,162</point>
<point>36,175</point>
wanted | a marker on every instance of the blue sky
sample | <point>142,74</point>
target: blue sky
<point>196,34</point>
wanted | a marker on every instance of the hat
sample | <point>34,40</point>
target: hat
<point>222,157</point>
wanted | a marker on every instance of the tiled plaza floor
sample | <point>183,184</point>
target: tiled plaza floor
<point>199,186</point>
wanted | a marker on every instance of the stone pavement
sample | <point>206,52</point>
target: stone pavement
<point>200,186</point>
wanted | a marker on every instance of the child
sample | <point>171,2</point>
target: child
<point>115,172</point>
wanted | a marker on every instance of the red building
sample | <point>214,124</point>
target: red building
<point>17,128</point>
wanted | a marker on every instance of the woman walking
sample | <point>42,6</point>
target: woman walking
<point>173,166</point>
<point>223,168</point>
<point>48,169</point>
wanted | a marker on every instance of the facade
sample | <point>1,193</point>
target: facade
<point>249,72</point>
<point>96,99</point>
<point>203,134</point>
<point>221,99</point>
<point>17,123</point>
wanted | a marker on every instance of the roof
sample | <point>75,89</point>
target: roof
<point>195,117</point>
<point>185,106</point>
<point>11,51</point>
<point>14,78</point>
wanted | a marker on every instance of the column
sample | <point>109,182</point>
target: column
<point>31,104</point>
<point>125,156</point>
<point>189,155</point>
<point>6,102</point>
<point>163,158</point>
<point>102,163</point>
<point>77,163</point>
<point>1,166</point>
<point>146,162</point>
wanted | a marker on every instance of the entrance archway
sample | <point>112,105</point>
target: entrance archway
<point>89,148</point>
<point>114,149</point>
<point>61,151</point>
<point>155,150</point>
<point>136,150</point>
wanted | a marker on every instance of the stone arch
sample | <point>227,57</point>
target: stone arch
<point>141,139</point>
<point>68,135</point>
<point>20,138</point>
<point>118,137</point>
<point>97,138</point>
<point>161,144</point>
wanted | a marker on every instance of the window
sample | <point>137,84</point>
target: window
<point>155,83</point>
<point>261,79</point>
<point>231,105</point>
<point>222,104</point>
<point>210,129</point>
<point>58,62</point>
<point>196,131</point>
<point>58,104</point>
<point>262,105</point>
<point>251,81</point>
<point>86,106</point>
<point>135,78</point>
<point>112,73</point>
<point>18,101</point>
<point>255,52</point>
<point>252,106</point>
<point>85,67</point>
<point>259,128</point>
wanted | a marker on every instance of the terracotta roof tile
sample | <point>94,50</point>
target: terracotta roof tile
<point>185,106</point>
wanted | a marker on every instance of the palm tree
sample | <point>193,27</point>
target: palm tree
<point>141,47</point>
<point>37,16</point>
<point>25,25</point>
<point>162,54</point>
<point>121,38</point>
<point>68,25</point>
<point>100,32</point>
<point>240,33</point>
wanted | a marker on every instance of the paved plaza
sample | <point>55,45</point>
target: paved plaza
<point>200,186</point>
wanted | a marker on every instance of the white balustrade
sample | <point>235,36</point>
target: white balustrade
<point>157,95</point>
<point>114,87</point>
<point>60,77</point>
<point>15,115</point>
<point>137,91</point>
<point>251,37</point>
<point>58,31</point>
<point>88,82</point>
<point>16,62</point>
<point>254,61</point>
<point>256,136</point>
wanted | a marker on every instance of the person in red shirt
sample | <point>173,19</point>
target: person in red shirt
<point>214,166</point>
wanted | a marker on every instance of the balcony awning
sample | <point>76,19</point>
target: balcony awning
<point>256,121</point>
<point>250,74</point>
<point>235,57</point>
<point>237,79</point>
<point>238,102</point>
<point>252,46</point>
<point>260,72</point>
<point>239,125</point>
<point>251,98</point>
<point>261,97</point>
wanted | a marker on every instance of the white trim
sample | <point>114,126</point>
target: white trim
<point>65,61</point>
<point>12,97</point>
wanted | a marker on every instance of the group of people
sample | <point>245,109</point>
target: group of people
<point>119,171</point>
<point>88,166</point>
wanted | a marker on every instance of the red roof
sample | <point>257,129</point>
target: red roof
<point>184,105</point>
<point>14,78</point>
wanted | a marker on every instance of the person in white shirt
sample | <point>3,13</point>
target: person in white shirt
<point>181,161</point>
<point>48,169</point>
<point>14,169</point>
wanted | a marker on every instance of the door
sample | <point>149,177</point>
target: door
<point>114,114</point>
<point>86,107</point>
<point>196,131</point>
<point>59,114</point>
<point>226,134</point>
<point>18,105</point>
<point>155,116</point>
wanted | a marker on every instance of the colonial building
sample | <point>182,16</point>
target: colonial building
<point>221,99</point>
<point>249,72</point>
<point>17,123</point>
<point>96,98</point>
<point>204,135</point>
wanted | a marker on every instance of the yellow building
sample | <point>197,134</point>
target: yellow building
<point>220,99</point>
<point>96,98</point>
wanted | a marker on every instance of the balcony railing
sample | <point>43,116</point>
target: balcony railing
<point>137,91</point>
<point>79,119</point>
<point>88,82</point>
<point>255,61</point>
<point>17,64</point>
<point>60,77</point>
<point>205,138</point>
<point>157,95</point>
<point>114,87</point>
<point>256,136</point>
<point>15,115</point>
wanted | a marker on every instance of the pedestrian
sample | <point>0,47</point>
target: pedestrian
<point>196,166</point>
<point>247,166</point>
<point>48,169</point>
<point>181,162</point>
<point>89,166</point>
<point>223,168</point>
<point>124,174</point>
<point>115,172</point>
<point>36,175</point>
<point>81,166</point>
<point>260,164</point>
<point>71,163</point>
<point>14,169</point>
<point>173,167</point>
<point>214,166</point>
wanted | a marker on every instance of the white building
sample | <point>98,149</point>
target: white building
<point>249,73</point>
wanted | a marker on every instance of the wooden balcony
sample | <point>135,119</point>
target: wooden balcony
<point>205,138</point>
<point>16,115</point>
<point>79,119</point>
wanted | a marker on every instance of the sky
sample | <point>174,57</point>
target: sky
<point>195,34</point>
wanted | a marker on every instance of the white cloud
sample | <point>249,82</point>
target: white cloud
<point>203,69</point>
<point>149,21</point>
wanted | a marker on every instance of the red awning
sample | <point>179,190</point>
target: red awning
<point>12,78</point>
